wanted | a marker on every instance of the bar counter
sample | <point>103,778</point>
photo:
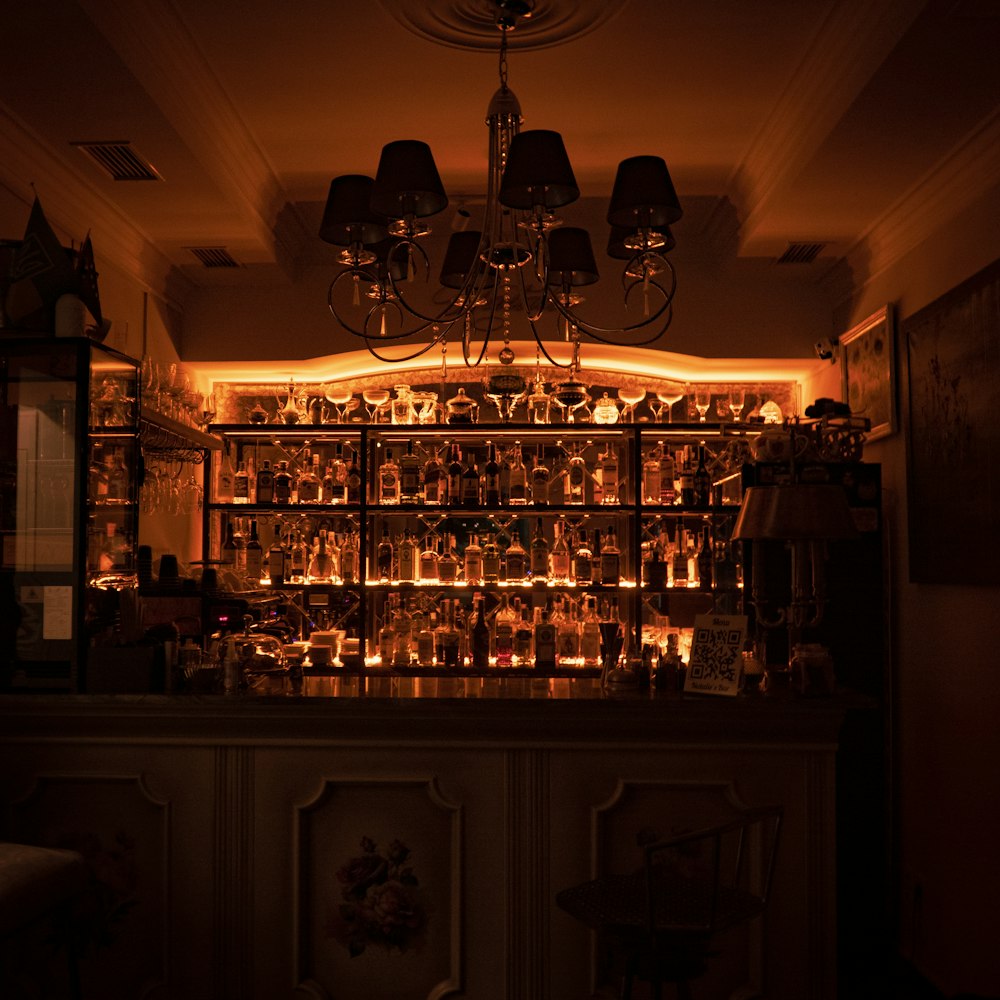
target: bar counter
<point>237,820</point>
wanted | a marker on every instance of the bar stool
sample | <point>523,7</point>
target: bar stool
<point>37,889</point>
<point>659,922</point>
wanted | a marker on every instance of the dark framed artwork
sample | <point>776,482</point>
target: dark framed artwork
<point>952,406</point>
<point>868,364</point>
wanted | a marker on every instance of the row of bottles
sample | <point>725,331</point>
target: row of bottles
<point>293,557</point>
<point>678,476</point>
<point>574,556</point>
<point>110,481</point>
<point>691,558</point>
<point>308,481</point>
<point>563,634</point>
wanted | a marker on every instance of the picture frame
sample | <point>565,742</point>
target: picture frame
<point>868,363</point>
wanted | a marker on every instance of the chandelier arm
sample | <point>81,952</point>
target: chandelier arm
<point>639,258</point>
<point>409,357</point>
<point>541,346</point>
<point>352,273</point>
<point>442,316</point>
<point>596,332</point>
<point>466,335</point>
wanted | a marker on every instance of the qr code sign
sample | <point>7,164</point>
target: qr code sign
<point>716,652</point>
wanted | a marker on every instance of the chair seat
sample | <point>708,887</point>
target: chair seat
<point>618,902</point>
<point>34,880</point>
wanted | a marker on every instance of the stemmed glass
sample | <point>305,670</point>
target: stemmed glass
<point>737,399</point>
<point>668,396</point>
<point>631,398</point>
<point>339,398</point>
<point>702,401</point>
<point>208,409</point>
<point>374,398</point>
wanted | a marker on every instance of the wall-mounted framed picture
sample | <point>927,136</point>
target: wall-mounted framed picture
<point>867,359</point>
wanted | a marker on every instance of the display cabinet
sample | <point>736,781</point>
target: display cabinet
<point>69,467</point>
<point>465,547</point>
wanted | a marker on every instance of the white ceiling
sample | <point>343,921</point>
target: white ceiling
<point>844,122</point>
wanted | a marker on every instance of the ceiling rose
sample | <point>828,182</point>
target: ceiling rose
<point>471,24</point>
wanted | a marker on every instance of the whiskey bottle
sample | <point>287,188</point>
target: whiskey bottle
<point>409,475</point>
<point>426,640</point>
<point>610,560</point>
<point>352,491</point>
<point>385,633</point>
<point>282,484</point>
<point>407,558</point>
<point>504,460</point>
<point>298,560</point>
<point>388,480</point>
<point>523,635</point>
<point>254,566</point>
<point>518,478</point>
<point>575,478</point>
<point>321,565</point>
<point>228,553</point>
<point>473,561</point>
<point>583,560</point>
<point>480,637</point>
<point>491,560</point>
<point>539,559</point>
<point>384,556</point>
<point>276,560</point>
<point>503,633</point>
<point>517,560</point>
<point>470,483</point>
<point>328,492</point>
<point>265,483</point>
<point>310,482</point>
<point>680,559</point>
<point>540,479</point>
<point>686,479</point>
<point>448,562</point>
<point>435,480</point>
<point>349,558</point>
<point>491,478</point>
<point>429,561</point>
<point>590,634</point>
<point>560,558</point>
<point>608,468</point>
<point>451,638</point>
<point>668,473</point>
<point>651,476</point>
<point>545,644</point>
<point>567,635</point>
<point>402,625</point>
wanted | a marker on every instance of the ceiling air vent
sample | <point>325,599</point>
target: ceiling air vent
<point>119,160</point>
<point>800,253</point>
<point>214,257</point>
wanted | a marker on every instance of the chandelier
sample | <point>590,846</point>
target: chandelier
<point>521,261</point>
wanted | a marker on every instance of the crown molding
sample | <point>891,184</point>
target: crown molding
<point>851,44</point>
<point>156,45</point>
<point>75,208</point>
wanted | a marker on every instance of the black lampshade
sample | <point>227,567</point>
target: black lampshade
<point>460,258</point>
<point>618,250</point>
<point>348,217</point>
<point>537,172</point>
<point>407,181</point>
<point>571,257</point>
<point>798,511</point>
<point>643,194</point>
<point>400,260</point>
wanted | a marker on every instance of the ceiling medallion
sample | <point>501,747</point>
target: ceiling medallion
<point>471,24</point>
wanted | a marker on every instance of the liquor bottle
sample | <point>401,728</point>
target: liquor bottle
<point>225,487</point>
<point>228,553</point>
<point>567,635</point>
<point>298,560</point>
<point>680,560</point>
<point>651,476</point>
<point>385,633</point>
<point>583,560</point>
<point>608,468</point>
<point>406,560</point>
<point>504,622</point>
<point>384,556</point>
<point>451,639</point>
<point>480,637</point>
<point>518,478</point>
<point>491,559</point>
<point>241,484</point>
<point>310,482</point>
<point>282,483</point>
<point>276,560</point>
<point>504,460</point>
<point>409,475</point>
<point>117,478</point>
<point>447,567</point>
<point>352,490</point>
<point>388,480</point>
<point>435,480</point>
<point>240,539</point>
<point>686,479</point>
<point>402,637</point>
<point>265,483</point>
<point>334,482</point>
<point>705,560</point>
<point>426,641</point>
<point>575,479</point>
<point>321,565</point>
<point>491,478</point>
<point>254,556</point>
<point>560,557</point>
<point>428,569</point>
<point>523,635</point>
<point>455,470</point>
<point>668,473</point>
<point>590,634</point>
<point>545,644</point>
<point>611,569</point>
<point>473,562</point>
<point>469,489</point>
<point>702,481</point>
<point>540,479</point>
<point>517,560</point>
<point>349,558</point>
<point>539,561</point>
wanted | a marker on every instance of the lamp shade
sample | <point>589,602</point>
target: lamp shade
<point>407,181</point>
<point>348,217</point>
<point>400,261</point>
<point>643,194</point>
<point>619,234</point>
<point>571,257</point>
<point>460,258</point>
<point>800,511</point>
<point>537,172</point>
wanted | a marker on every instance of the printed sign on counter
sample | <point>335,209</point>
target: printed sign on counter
<point>716,654</point>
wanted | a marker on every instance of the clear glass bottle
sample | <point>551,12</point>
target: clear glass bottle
<point>608,469</point>
<point>544,643</point>
<point>491,559</point>
<point>298,559</point>
<point>668,474</point>
<point>320,565</point>
<point>679,563</point>
<point>583,560</point>
<point>517,560</point>
<point>226,483</point>
<point>426,640</point>
<point>567,635</point>
<point>349,558</point>
<point>435,480</point>
<point>407,558</point>
<point>429,560</point>
<point>540,479</point>
<point>651,476</point>
<point>450,641</point>
<point>560,558</point>
<point>590,633</point>
<point>611,570</point>
<point>277,559</point>
<point>448,565</point>
<point>352,490</point>
<point>409,475</point>
<point>473,561</point>
<point>241,484</point>
<point>282,483</point>
<point>518,477</point>
<point>310,482</point>
<point>575,478</point>
<point>524,635</point>
<point>402,637</point>
<point>539,554</point>
<point>388,480</point>
<point>384,556</point>
<point>504,622</point>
